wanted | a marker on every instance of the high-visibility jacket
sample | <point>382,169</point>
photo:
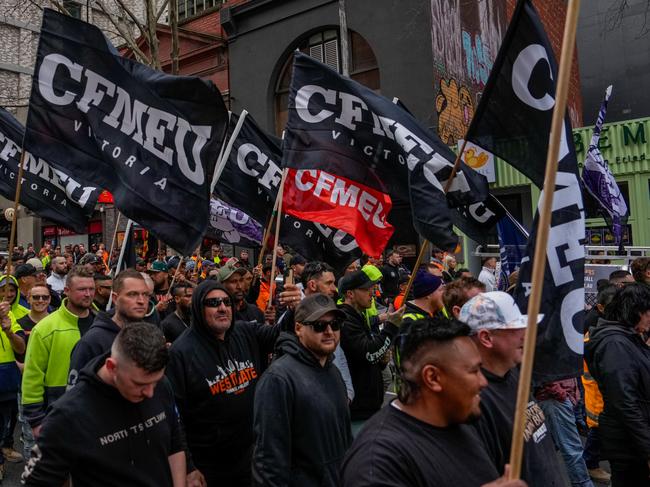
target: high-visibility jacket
<point>593,398</point>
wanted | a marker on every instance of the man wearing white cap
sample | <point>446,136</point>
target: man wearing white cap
<point>498,329</point>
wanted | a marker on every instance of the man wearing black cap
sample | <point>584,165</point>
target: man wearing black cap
<point>232,278</point>
<point>301,418</point>
<point>427,291</point>
<point>159,274</point>
<point>364,346</point>
<point>93,263</point>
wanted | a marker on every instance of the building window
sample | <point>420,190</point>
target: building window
<point>325,47</point>
<point>73,8</point>
<point>190,8</point>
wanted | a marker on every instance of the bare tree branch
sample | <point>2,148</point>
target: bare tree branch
<point>152,38</point>
<point>161,10</point>
<point>135,20</point>
<point>59,6</point>
<point>124,32</point>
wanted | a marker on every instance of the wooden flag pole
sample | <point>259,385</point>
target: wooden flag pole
<point>269,227</point>
<point>178,268</point>
<point>418,261</point>
<point>117,226</point>
<point>543,228</point>
<point>14,219</point>
<point>127,236</point>
<point>285,171</point>
<point>454,169</point>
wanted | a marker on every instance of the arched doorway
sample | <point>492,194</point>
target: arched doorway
<point>324,46</point>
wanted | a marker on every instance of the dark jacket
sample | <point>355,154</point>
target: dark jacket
<point>301,422</point>
<point>390,280</point>
<point>364,348</point>
<point>619,360</point>
<point>214,384</point>
<point>104,440</point>
<point>249,312</point>
<point>97,341</point>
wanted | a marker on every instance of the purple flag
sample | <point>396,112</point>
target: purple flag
<point>231,225</point>
<point>600,182</point>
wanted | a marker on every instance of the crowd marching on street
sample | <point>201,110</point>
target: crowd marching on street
<point>306,319</point>
<point>214,381</point>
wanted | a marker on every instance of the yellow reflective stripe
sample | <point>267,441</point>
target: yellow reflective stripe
<point>413,316</point>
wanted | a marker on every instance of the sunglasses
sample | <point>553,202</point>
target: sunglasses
<point>39,297</point>
<point>216,302</point>
<point>321,326</point>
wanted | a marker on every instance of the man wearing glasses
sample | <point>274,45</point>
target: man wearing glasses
<point>214,368</point>
<point>301,419</point>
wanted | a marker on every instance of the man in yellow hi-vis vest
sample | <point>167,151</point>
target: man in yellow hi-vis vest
<point>427,291</point>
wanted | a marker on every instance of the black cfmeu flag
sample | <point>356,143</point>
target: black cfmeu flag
<point>48,192</point>
<point>151,139</point>
<point>477,220</point>
<point>250,179</point>
<point>340,126</point>
<point>513,120</point>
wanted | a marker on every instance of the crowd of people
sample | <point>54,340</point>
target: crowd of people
<point>211,371</point>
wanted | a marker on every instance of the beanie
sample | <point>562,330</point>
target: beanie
<point>425,284</point>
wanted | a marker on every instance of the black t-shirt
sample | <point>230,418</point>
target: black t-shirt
<point>27,324</point>
<point>540,466</point>
<point>591,318</point>
<point>84,323</point>
<point>172,327</point>
<point>398,450</point>
<point>390,280</point>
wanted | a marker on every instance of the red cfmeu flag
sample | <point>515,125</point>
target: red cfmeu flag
<point>322,197</point>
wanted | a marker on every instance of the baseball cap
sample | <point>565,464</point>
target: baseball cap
<point>356,280</point>
<point>38,265</point>
<point>228,270</point>
<point>315,306</point>
<point>373,272</point>
<point>24,270</point>
<point>495,310</point>
<point>89,259</point>
<point>298,259</point>
<point>158,266</point>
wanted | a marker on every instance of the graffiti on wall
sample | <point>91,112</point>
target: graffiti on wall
<point>455,110</point>
<point>465,39</point>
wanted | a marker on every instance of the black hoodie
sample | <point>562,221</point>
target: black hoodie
<point>97,341</point>
<point>619,360</point>
<point>364,348</point>
<point>102,439</point>
<point>214,384</point>
<point>302,421</point>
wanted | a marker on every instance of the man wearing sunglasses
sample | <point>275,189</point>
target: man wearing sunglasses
<point>214,369</point>
<point>301,419</point>
<point>318,277</point>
